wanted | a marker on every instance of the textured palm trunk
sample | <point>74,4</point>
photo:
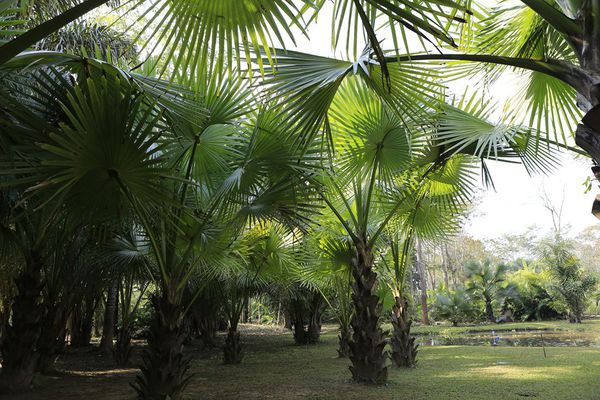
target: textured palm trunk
<point>110,313</point>
<point>343,342</point>
<point>368,341</point>
<point>164,371</point>
<point>232,351</point>
<point>52,337</point>
<point>208,331</point>
<point>82,324</point>
<point>314,325</point>
<point>297,322</point>
<point>404,349</point>
<point>122,348</point>
<point>19,355</point>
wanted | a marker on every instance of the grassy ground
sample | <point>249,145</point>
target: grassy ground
<point>276,369</point>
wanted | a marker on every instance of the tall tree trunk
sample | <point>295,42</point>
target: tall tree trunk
<point>246,311</point>
<point>368,341</point>
<point>19,346</point>
<point>297,322</point>
<point>110,314</point>
<point>52,338</point>
<point>489,310</point>
<point>404,350</point>
<point>422,284</point>
<point>446,266</point>
<point>314,325</point>
<point>164,373</point>
<point>82,323</point>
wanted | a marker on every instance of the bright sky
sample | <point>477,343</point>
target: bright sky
<point>517,202</point>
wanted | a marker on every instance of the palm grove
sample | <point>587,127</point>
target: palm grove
<point>196,163</point>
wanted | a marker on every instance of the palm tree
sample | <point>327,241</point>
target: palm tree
<point>170,159</point>
<point>403,349</point>
<point>573,286</point>
<point>486,282</point>
<point>455,306</point>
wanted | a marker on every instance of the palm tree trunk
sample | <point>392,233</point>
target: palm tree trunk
<point>422,284</point>
<point>404,350</point>
<point>164,373</point>
<point>83,322</point>
<point>122,350</point>
<point>51,340</point>
<point>110,313</point>
<point>344,338</point>
<point>297,321</point>
<point>232,351</point>
<point>314,325</point>
<point>368,341</point>
<point>19,353</point>
<point>489,310</point>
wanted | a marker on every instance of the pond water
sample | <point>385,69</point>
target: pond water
<point>511,338</point>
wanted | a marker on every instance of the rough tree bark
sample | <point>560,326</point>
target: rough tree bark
<point>404,350</point>
<point>314,323</point>
<point>297,324</point>
<point>344,338</point>
<point>19,345</point>
<point>52,338</point>
<point>122,348</point>
<point>164,369</point>
<point>82,323</point>
<point>368,340</point>
<point>232,351</point>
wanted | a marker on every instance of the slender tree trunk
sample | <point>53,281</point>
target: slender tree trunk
<point>246,311</point>
<point>19,353</point>
<point>368,341</point>
<point>422,284</point>
<point>110,313</point>
<point>446,266</point>
<point>278,321</point>
<point>314,325</point>
<point>489,310</point>
<point>287,319</point>
<point>404,350</point>
<point>164,373</point>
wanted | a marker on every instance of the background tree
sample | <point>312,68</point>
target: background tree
<point>486,282</point>
<point>571,283</point>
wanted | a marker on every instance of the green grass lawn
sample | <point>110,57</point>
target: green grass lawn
<point>274,368</point>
